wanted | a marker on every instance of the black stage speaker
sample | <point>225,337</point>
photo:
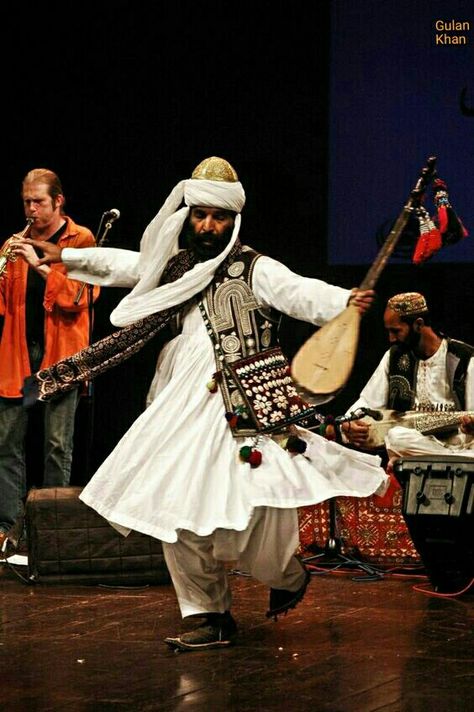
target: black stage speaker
<point>438,508</point>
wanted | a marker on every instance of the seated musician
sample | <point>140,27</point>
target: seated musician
<point>422,371</point>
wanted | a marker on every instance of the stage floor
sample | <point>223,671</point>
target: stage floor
<point>352,645</point>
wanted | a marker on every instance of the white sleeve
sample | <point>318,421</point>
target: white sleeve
<point>470,385</point>
<point>375,392</point>
<point>304,298</point>
<point>105,266</point>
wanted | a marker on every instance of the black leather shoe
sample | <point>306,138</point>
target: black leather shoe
<point>217,631</point>
<point>282,600</point>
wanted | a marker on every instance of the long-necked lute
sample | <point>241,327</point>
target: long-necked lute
<point>442,424</point>
<point>325,361</point>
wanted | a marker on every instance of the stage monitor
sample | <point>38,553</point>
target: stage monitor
<point>438,508</point>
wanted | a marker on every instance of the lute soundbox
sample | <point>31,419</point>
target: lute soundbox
<point>325,361</point>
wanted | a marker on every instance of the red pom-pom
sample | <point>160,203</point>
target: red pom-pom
<point>255,458</point>
<point>232,418</point>
<point>330,433</point>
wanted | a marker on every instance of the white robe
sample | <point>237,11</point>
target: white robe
<point>178,466</point>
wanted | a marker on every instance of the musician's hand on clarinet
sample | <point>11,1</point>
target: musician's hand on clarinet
<point>467,424</point>
<point>51,252</point>
<point>362,299</point>
<point>356,432</point>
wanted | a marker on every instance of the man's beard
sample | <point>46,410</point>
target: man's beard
<point>412,341</point>
<point>196,243</point>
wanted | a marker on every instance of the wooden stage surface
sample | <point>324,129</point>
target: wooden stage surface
<point>352,645</point>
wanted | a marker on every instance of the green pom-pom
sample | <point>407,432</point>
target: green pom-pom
<point>244,452</point>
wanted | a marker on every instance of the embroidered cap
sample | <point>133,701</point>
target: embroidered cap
<point>215,168</point>
<point>214,183</point>
<point>408,303</point>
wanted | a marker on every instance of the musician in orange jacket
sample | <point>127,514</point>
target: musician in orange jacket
<point>44,316</point>
<point>423,369</point>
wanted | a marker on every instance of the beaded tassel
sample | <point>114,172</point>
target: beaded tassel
<point>250,454</point>
<point>232,417</point>
<point>429,241</point>
<point>213,384</point>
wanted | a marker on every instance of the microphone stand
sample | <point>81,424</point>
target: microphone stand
<point>90,387</point>
<point>99,243</point>
<point>331,554</point>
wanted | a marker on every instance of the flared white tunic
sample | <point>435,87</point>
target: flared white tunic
<point>178,466</point>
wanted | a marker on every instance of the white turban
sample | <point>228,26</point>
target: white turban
<point>160,242</point>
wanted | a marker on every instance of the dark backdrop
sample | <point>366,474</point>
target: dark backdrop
<point>122,99</point>
<point>396,98</point>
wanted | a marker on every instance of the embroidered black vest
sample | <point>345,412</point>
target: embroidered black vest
<point>243,326</point>
<point>254,375</point>
<point>403,368</point>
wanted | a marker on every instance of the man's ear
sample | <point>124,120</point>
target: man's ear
<point>59,201</point>
<point>419,324</point>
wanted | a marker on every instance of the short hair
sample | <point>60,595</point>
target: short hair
<point>49,178</point>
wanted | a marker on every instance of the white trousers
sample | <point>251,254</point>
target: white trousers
<point>408,442</point>
<point>265,550</point>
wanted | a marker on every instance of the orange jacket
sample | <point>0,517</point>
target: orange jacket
<point>66,324</point>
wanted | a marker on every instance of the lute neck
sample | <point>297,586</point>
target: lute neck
<point>388,247</point>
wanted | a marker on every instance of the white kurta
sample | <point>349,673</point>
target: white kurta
<point>432,387</point>
<point>178,466</point>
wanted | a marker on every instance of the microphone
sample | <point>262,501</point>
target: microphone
<point>375,414</point>
<point>111,215</point>
<point>353,415</point>
<point>358,414</point>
